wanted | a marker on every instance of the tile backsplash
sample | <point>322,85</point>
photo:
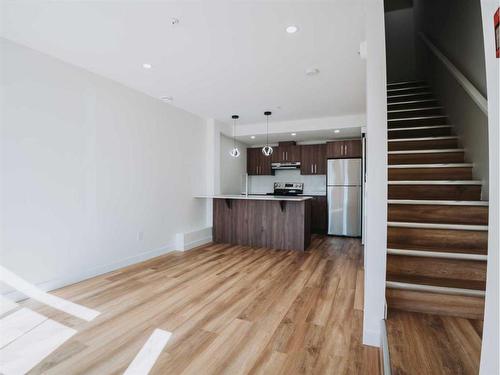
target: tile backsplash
<point>264,184</point>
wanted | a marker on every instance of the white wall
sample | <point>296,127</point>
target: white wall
<point>94,175</point>
<point>455,28</point>
<point>264,184</point>
<point>232,170</point>
<point>491,335</point>
<point>376,179</point>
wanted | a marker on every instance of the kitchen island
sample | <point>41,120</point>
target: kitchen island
<point>263,221</point>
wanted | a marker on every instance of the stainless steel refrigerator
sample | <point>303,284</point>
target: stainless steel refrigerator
<point>344,197</point>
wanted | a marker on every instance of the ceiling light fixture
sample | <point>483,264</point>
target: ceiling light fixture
<point>252,136</point>
<point>294,134</point>
<point>267,150</point>
<point>312,71</point>
<point>147,66</point>
<point>234,152</point>
<point>292,29</point>
<point>336,131</point>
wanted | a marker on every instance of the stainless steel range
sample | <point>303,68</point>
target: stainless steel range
<point>287,188</point>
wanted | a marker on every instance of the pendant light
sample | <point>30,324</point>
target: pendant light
<point>234,152</point>
<point>267,150</point>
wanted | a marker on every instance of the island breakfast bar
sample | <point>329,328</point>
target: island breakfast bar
<point>263,221</point>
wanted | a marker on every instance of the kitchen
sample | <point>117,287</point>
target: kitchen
<point>310,183</point>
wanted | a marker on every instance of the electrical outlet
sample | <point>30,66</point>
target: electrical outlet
<point>140,236</point>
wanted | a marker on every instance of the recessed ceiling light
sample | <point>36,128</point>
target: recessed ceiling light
<point>294,134</point>
<point>167,98</point>
<point>336,131</point>
<point>292,29</point>
<point>147,66</point>
<point>312,71</point>
<point>252,136</point>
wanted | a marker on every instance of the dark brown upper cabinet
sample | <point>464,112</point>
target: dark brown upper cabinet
<point>257,163</point>
<point>313,159</point>
<point>343,149</point>
<point>286,152</point>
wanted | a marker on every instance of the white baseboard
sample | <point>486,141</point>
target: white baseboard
<point>57,283</point>
<point>386,360</point>
<point>188,240</point>
<point>193,244</point>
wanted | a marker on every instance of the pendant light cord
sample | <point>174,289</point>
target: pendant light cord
<point>267,130</point>
<point>234,139</point>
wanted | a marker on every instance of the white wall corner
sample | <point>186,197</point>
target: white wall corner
<point>490,360</point>
<point>376,180</point>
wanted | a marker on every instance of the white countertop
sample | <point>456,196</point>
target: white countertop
<point>257,197</point>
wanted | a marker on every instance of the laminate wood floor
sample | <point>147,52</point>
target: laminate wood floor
<point>427,344</point>
<point>231,310</point>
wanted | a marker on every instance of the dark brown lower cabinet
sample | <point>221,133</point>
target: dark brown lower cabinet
<point>319,215</point>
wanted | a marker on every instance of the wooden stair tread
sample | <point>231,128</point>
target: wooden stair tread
<point>406,83</point>
<point>401,113</point>
<point>411,96</point>
<point>421,144</point>
<point>406,90</point>
<point>427,121</point>
<point>442,240</point>
<point>443,226</point>
<point>418,109</point>
<point>456,156</point>
<point>470,307</point>
<point>449,273</point>
<point>399,190</point>
<point>438,202</point>
<point>432,344</point>
<point>447,173</point>
<point>427,151</point>
<point>449,214</point>
<point>436,281</point>
<point>410,104</point>
<point>431,165</point>
<point>419,132</point>
<point>429,247</point>
<point>438,269</point>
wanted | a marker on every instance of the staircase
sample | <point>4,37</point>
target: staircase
<point>437,224</point>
